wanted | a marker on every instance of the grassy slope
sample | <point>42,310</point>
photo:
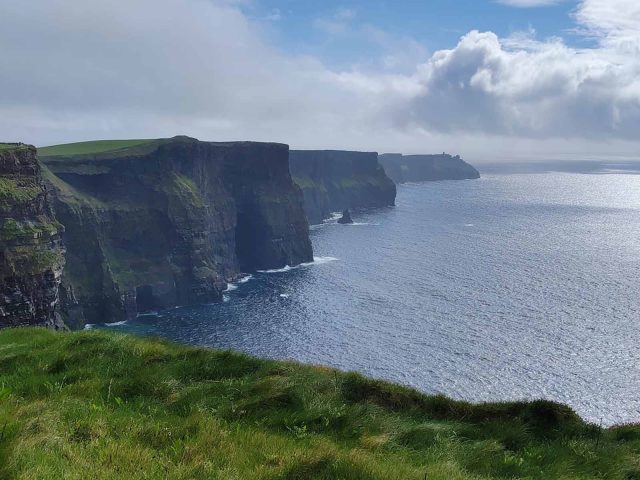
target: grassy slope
<point>101,405</point>
<point>90,148</point>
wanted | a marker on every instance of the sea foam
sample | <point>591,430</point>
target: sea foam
<point>115,324</point>
<point>287,268</point>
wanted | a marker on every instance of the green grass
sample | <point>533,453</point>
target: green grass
<point>33,259</point>
<point>91,148</point>
<point>14,191</point>
<point>105,406</point>
<point>11,146</point>
<point>187,190</point>
<point>11,229</point>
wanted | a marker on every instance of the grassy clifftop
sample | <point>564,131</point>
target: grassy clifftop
<point>100,405</point>
<point>96,147</point>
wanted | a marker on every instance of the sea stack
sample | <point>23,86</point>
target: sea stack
<point>346,218</point>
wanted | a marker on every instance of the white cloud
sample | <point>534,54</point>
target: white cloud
<point>103,69</point>
<point>616,23</point>
<point>525,87</point>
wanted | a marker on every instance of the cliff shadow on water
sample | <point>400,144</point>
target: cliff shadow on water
<point>158,223</point>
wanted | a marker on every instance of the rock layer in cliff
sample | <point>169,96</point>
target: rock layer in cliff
<point>156,223</point>
<point>334,180</point>
<point>421,168</point>
<point>31,250</point>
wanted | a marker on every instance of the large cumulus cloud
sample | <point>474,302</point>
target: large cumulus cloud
<point>527,88</point>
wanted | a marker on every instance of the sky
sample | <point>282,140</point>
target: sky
<point>492,80</point>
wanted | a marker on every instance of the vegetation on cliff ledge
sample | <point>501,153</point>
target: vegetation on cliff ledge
<point>17,191</point>
<point>107,406</point>
<point>12,229</point>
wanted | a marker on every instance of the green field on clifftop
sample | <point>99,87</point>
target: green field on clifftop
<point>106,406</point>
<point>91,148</point>
<point>11,146</point>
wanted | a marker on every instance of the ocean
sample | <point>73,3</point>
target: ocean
<point>514,286</point>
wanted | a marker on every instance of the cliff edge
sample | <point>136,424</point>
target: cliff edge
<point>31,250</point>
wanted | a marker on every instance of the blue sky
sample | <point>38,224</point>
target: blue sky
<point>296,25</point>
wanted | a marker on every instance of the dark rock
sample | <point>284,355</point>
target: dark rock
<point>331,180</point>
<point>346,218</point>
<point>171,222</point>
<point>421,168</point>
<point>31,249</point>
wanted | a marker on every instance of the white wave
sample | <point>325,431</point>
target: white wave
<point>89,326</point>
<point>468,225</point>
<point>284,295</point>
<point>115,324</point>
<point>316,261</point>
<point>335,216</point>
<point>286,268</point>
<point>234,286</point>
<point>322,260</point>
<point>362,224</point>
<point>225,298</point>
<point>149,314</point>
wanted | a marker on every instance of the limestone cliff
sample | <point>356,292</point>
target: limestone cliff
<point>334,180</point>
<point>421,168</point>
<point>31,250</point>
<point>157,223</point>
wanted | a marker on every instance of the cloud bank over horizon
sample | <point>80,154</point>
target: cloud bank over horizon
<point>206,68</point>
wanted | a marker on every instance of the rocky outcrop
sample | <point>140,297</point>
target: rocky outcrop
<point>345,219</point>
<point>336,180</point>
<point>421,168</point>
<point>170,222</point>
<point>31,250</point>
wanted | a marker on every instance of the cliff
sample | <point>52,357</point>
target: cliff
<point>31,250</point>
<point>336,180</point>
<point>155,223</point>
<point>421,168</point>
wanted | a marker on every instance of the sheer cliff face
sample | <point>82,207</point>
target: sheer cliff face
<point>421,168</point>
<point>31,251</point>
<point>335,180</point>
<point>170,222</point>
<point>271,228</point>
